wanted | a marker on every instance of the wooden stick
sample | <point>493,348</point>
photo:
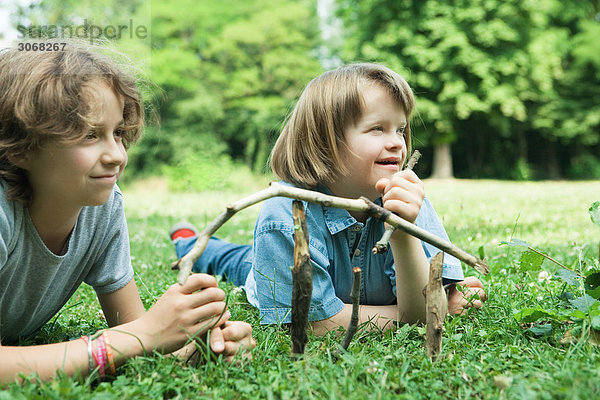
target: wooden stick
<point>302,280</point>
<point>355,296</point>
<point>185,263</point>
<point>382,245</point>
<point>436,313</point>
<point>413,160</point>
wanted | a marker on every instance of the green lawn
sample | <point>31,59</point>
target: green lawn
<point>486,354</point>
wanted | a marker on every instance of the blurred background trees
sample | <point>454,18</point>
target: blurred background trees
<point>505,89</point>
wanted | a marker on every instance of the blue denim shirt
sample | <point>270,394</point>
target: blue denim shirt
<point>337,243</point>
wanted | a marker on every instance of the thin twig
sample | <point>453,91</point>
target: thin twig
<point>355,296</point>
<point>554,261</point>
<point>363,204</point>
<point>436,313</point>
<point>382,245</point>
<point>302,280</point>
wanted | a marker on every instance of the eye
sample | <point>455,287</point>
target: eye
<point>91,135</point>
<point>119,132</point>
<point>377,128</point>
<point>401,131</point>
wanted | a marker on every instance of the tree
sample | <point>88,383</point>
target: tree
<point>232,70</point>
<point>486,74</point>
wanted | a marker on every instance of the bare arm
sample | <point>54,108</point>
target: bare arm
<point>412,272</point>
<point>403,194</point>
<point>183,311</point>
<point>72,357</point>
<point>381,316</point>
<point>122,306</point>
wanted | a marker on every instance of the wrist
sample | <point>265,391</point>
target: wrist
<point>131,340</point>
<point>401,237</point>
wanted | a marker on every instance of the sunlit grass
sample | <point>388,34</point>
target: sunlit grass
<point>485,354</point>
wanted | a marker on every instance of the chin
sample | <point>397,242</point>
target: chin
<point>99,199</point>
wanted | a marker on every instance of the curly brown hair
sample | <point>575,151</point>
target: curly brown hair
<point>43,99</point>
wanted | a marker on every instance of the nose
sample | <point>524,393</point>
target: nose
<point>395,141</point>
<point>114,152</point>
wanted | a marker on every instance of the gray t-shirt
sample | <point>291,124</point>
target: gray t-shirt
<point>35,283</point>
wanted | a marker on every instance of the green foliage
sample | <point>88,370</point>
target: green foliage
<point>511,84</point>
<point>235,74</point>
<point>595,212</point>
<point>496,78</point>
<point>530,260</point>
<point>584,166</point>
<point>199,172</point>
<point>580,293</point>
<point>521,171</point>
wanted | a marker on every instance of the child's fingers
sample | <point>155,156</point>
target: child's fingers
<point>405,195</point>
<point>476,293</point>
<point>217,342</point>
<point>245,345</point>
<point>196,282</point>
<point>463,296</point>
<point>206,296</point>
<point>215,313</point>
<point>403,182</point>
<point>237,330</point>
<point>408,175</point>
<point>238,338</point>
<point>477,304</point>
<point>471,285</point>
<point>381,185</point>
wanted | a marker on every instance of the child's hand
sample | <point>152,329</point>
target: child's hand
<point>403,194</point>
<point>183,312</point>
<point>233,339</point>
<point>469,294</point>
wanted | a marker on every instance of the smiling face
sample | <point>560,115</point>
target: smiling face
<point>82,173</point>
<point>375,145</point>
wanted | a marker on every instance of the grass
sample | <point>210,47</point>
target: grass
<point>486,354</point>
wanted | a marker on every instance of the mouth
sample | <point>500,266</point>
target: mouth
<point>108,178</point>
<point>392,161</point>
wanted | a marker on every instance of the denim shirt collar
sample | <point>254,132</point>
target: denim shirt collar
<point>338,219</point>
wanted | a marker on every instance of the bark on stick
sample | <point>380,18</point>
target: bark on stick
<point>302,280</point>
<point>355,296</point>
<point>436,312</point>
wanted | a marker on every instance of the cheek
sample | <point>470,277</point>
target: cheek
<point>80,160</point>
<point>125,159</point>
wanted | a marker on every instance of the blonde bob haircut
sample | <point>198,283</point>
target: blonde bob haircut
<point>45,97</point>
<point>307,152</point>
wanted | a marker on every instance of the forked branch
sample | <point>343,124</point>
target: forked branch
<point>185,263</point>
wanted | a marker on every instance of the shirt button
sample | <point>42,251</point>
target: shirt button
<point>356,228</point>
<point>357,253</point>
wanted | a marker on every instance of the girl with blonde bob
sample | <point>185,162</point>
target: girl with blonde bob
<point>66,119</point>
<point>349,136</point>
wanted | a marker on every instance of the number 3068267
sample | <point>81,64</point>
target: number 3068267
<point>41,46</point>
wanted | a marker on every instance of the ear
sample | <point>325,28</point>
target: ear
<point>21,161</point>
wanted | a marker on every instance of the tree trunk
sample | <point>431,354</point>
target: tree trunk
<point>442,162</point>
<point>552,164</point>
